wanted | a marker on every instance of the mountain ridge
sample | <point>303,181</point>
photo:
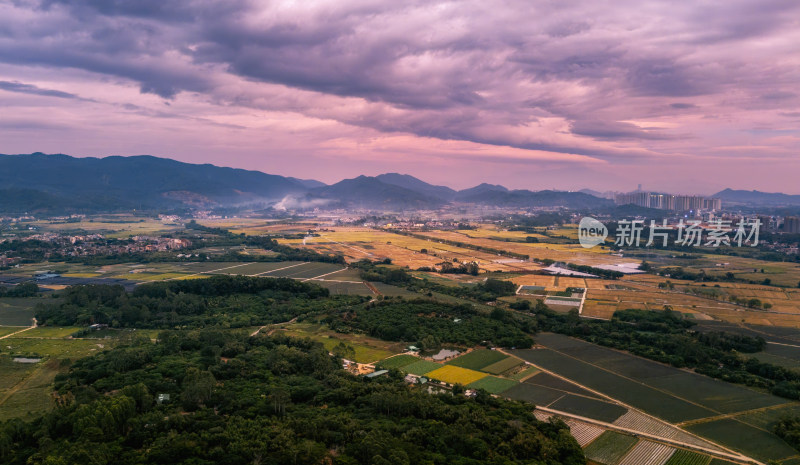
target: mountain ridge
<point>40,183</point>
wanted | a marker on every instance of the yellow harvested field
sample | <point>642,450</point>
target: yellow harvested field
<point>572,253</point>
<point>81,275</point>
<point>487,233</point>
<point>456,375</point>
<point>359,243</point>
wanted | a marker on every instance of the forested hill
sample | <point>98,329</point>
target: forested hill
<point>39,182</point>
<point>48,184</point>
<point>240,400</point>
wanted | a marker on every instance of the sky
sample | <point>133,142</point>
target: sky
<point>683,97</point>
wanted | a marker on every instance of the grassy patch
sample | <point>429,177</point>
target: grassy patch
<point>18,311</point>
<point>6,330</point>
<point>422,367</point>
<point>363,353</point>
<point>477,359</point>
<point>398,361</point>
<point>56,332</point>
<point>57,348</point>
<point>32,394</point>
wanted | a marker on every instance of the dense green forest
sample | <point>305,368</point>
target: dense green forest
<point>229,301</point>
<point>433,323</point>
<point>235,399</point>
<point>241,301</point>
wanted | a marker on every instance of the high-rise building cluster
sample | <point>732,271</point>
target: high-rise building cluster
<point>791,224</point>
<point>669,202</point>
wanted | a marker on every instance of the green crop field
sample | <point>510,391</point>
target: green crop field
<point>477,359</point>
<point>686,391</point>
<point>493,384</point>
<point>650,400</point>
<point>767,419</point>
<point>609,447</point>
<point>18,311</point>
<point>502,366</point>
<point>757,443</point>
<point>589,408</point>
<point>422,367</point>
<point>536,395</point>
<point>685,457</point>
<point>398,361</point>
<point>549,381</point>
<point>343,288</point>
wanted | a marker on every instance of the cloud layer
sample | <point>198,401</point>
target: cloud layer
<point>575,93</point>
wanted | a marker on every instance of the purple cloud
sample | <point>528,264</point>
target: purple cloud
<point>614,84</point>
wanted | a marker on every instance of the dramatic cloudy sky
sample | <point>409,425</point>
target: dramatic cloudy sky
<point>679,96</point>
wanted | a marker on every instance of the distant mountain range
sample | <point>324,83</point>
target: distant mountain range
<point>39,183</point>
<point>757,198</point>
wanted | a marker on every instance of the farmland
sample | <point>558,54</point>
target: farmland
<point>609,447</point>
<point>16,311</point>
<point>25,387</point>
<point>422,367</point>
<point>478,359</point>
<point>398,361</point>
<point>367,350</point>
<point>760,444</point>
<point>492,384</point>
<point>455,375</point>
<point>665,392</point>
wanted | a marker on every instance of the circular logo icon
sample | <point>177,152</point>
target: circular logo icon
<point>591,232</point>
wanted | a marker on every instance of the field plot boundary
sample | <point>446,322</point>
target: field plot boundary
<point>723,453</point>
<point>655,386</point>
<point>720,451</point>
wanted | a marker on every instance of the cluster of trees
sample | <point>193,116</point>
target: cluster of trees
<point>485,291</point>
<point>666,337</point>
<point>233,301</point>
<point>459,268</point>
<point>788,429</point>
<point>431,324</point>
<point>26,289</point>
<point>269,400</point>
<point>608,274</point>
